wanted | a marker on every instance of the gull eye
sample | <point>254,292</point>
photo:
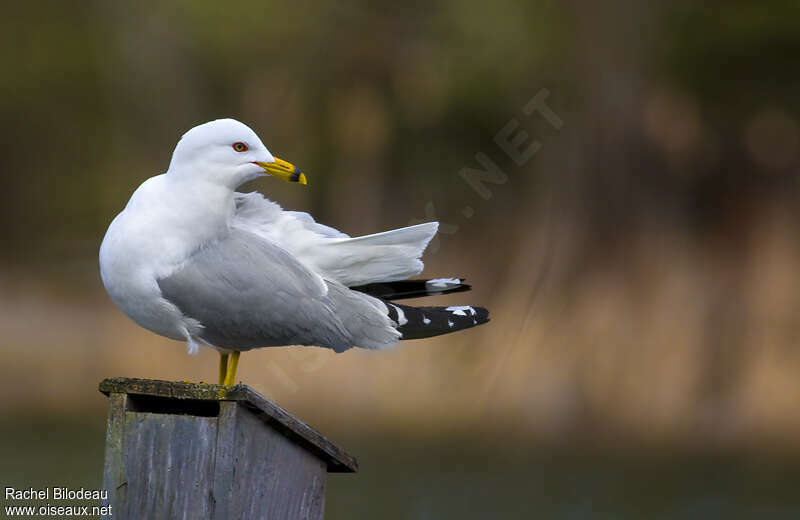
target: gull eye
<point>240,147</point>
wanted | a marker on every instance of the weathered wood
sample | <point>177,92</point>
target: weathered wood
<point>338,460</point>
<point>273,479</point>
<point>113,475</point>
<point>183,450</point>
<point>168,462</point>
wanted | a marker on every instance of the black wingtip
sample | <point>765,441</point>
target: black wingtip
<point>414,288</point>
<point>427,322</point>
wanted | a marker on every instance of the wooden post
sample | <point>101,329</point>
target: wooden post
<point>185,450</point>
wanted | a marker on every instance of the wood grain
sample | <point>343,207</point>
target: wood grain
<point>338,460</point>
<point>183,450</point>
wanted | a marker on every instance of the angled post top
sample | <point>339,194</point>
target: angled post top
<point>271,414</point>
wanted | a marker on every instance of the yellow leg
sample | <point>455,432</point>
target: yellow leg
<point>230,374</point>
<point>223,367</point>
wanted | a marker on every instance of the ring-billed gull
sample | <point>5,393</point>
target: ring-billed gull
<point>191,259</point>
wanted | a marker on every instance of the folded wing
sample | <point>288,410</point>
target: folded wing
<point>247,292</point>
<point>381,257</point>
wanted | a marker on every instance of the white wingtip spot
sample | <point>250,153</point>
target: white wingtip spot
<point>401,316</point>
<point>425,320</point>
<point>461,310</point>
<point>443,283</point>
<point>450,323</point>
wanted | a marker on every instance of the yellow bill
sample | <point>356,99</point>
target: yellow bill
<point>283,170</point>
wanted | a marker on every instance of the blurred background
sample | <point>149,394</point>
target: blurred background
<point>639,251</point>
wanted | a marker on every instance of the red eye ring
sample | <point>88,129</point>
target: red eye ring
<point>240,147</point>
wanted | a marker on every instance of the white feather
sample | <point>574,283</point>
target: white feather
<point>401,316</point>
<point>381,257</point>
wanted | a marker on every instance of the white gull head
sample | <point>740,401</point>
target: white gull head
<point>223,151</point>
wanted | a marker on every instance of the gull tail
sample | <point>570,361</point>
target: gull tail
<point>426,322</point>
<point>413,288</point>
<point>381,257</point>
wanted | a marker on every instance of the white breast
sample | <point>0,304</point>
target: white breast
<point>158,229</point>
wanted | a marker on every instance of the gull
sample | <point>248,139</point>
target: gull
<point>192,259</point>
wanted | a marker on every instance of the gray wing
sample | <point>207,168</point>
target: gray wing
<point>309,223</point>
<point>257,210</point>
<point>248,293</point>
